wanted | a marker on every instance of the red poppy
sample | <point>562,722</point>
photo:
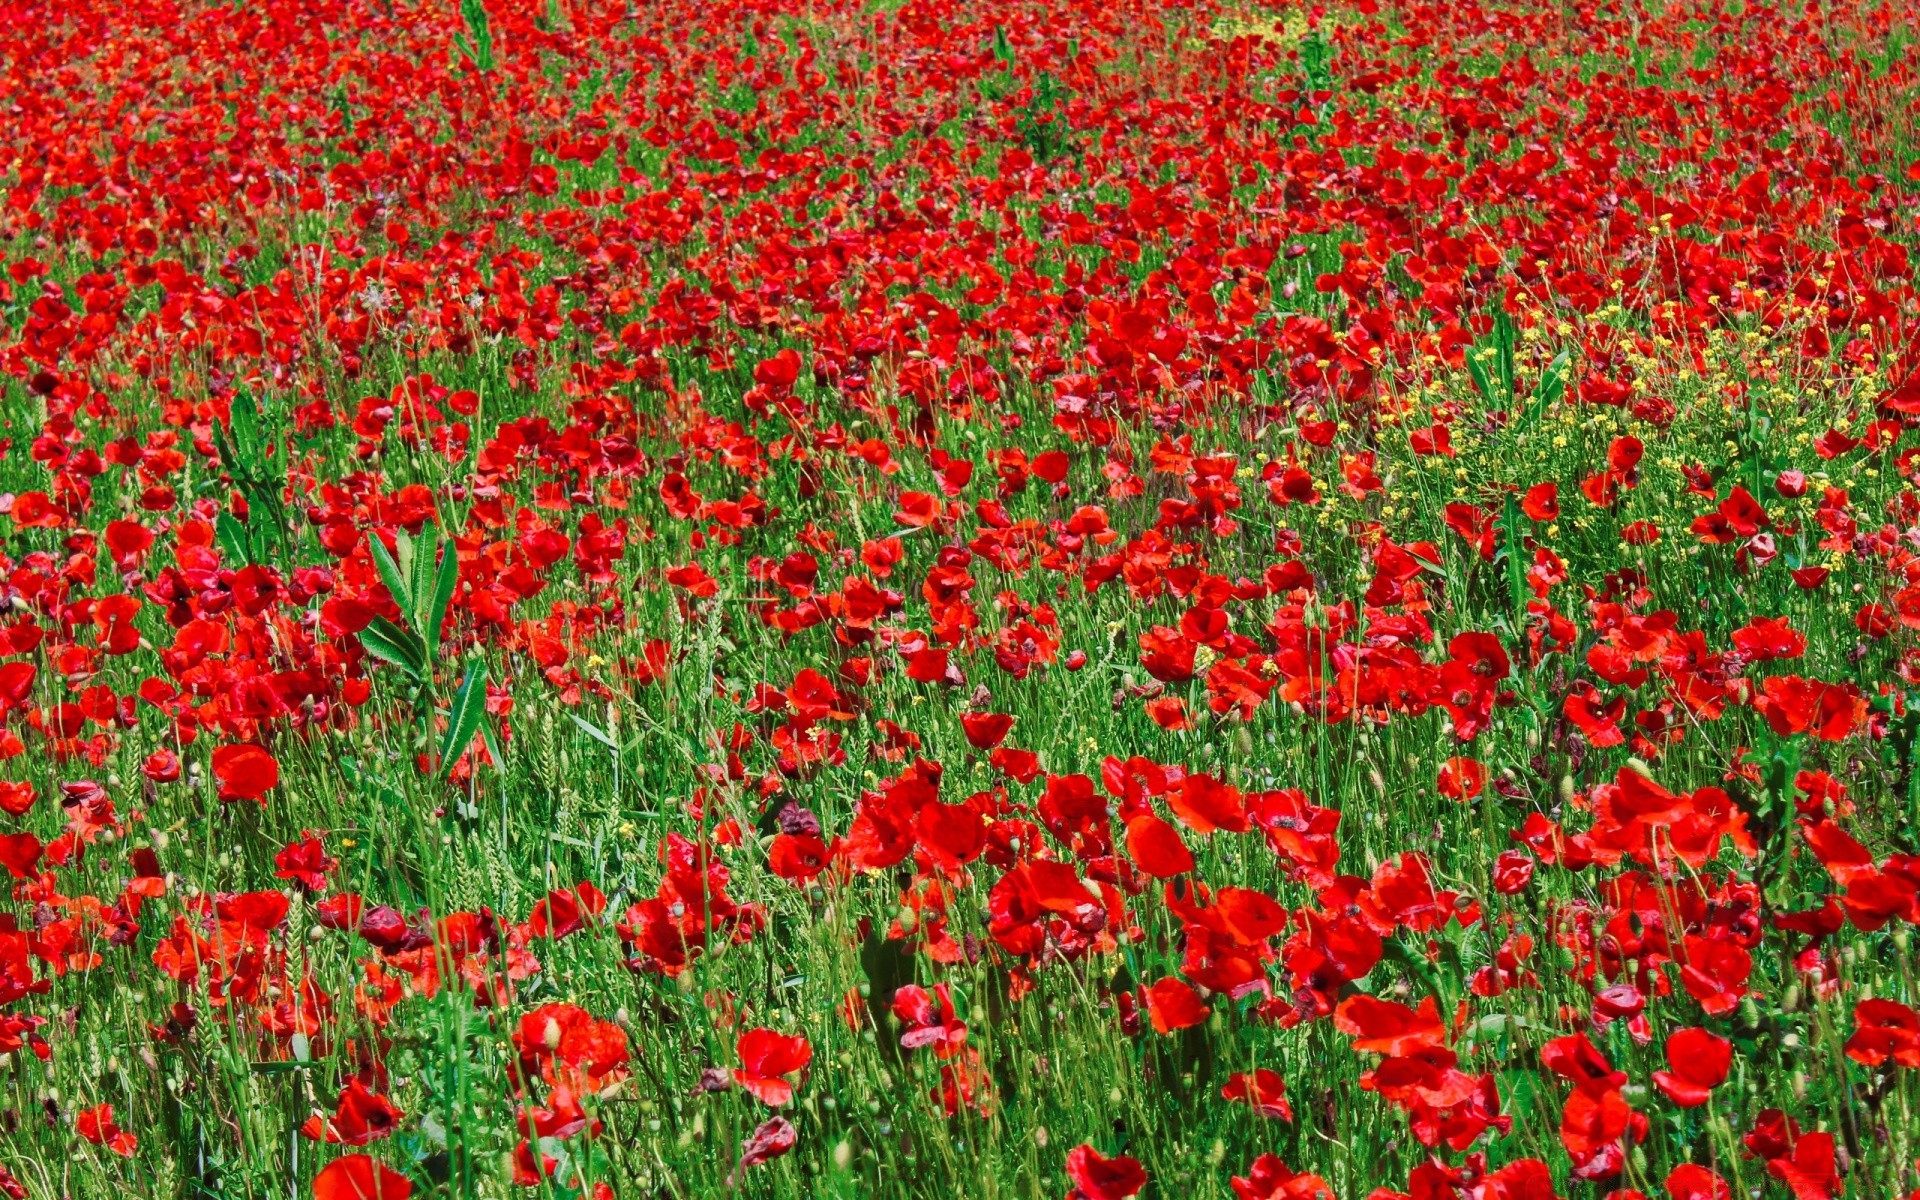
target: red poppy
<point>1205,804</point>
<point>1689,1181</point>
<point>1388,1026</point>
<point>1263,1090</point>
<point>1697,1062</point>
<point>245,773</point>
<point>1462,778</point>
<point>1270,1179</point>
<point>1097,1177</point>
<point>19,853</point>
<point>953,835</point>
<point>769,1141</point>
<point>96,1125</point>
<point>1884,1030</point>
<point>1173,1004</point>
<point>360,1177</point>
<point>766,1057</point>
<point>1156,848</point>
<point>985,730</point>
<point>361,1116</point>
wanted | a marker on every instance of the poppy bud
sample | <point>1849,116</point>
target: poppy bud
<point>1791,484</point>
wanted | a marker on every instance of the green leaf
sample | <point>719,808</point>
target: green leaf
<point>383,639</point>
<point>494,750</point>
<point>391,573</point>
<point>441,601</point>
<point>244,417</point>
<point>1481,379</point>
<point>232,536</point>
<point>595,732</point>
<point>463,718</point>
<point>1552,386</point>
<point>420,573</point>
<point>1513,548</point>
<point>1503,343</point>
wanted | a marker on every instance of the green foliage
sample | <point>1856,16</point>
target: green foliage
<point>474,40</point>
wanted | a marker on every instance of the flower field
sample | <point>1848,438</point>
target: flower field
<point>927,598</point>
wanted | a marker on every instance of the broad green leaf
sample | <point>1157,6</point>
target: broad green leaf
<point>391,574</point>
<point>463,716</point>
<point>441,601</point>
<point>420,573</point>
<point>244,417</point>
<point>1481,379</point>
<point>1513,549</point>
<point>383,639</point>
<point>1552,386</point>
<point>232,536</point>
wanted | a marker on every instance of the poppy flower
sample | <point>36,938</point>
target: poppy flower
<point>96,1125</point>
<point>1690,1181</point>
<point>1512,871</point>
<point>360,1116</point>
<point>1269,1178</point>
<point>360,1177</point>
<point>1810,1169</point>
<point>797,858</point>
<point>16,799</point>
<point>19,854</point>
<point>985,730</point>
<point>1173,1004</point>
<point>1388,1026</point>
<point>1462,778</point>
<point>1884,1030</point>
<point>1697,1062</point>
<point>1097,1177</point>
<point>1716,973</point>
<point>566,911</point>
<point>766,1057</point>
<point>769,1141</point>
<point>930,1019</point>
<point>1169,713</point>
<point>1205,804</point>
<point>245,772</point>
<point>953,835</point>
<point>306,862</point>
<point>1156,848</point>
<point>1263,1090</point>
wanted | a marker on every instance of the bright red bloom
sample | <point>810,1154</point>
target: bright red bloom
<point>1884,1030</point>
<point>1697,1062</point>
<point>1097,1177</point>
<point>245,773</point>
<point>1263,1090</point>
<point>1173,1004</point>
<point>359,1177</point>
<point>96,1125</point>
<point>765,1057</point>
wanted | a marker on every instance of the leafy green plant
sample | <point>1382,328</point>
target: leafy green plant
<point>475,39</point>
<point>246,454</point>
<point>421,578</point>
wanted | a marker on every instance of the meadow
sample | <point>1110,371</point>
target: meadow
<point>926,598</point>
